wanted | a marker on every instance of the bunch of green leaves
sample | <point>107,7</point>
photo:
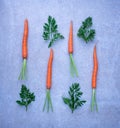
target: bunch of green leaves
<point>85,32</point>
<point>26,97</point>
<point>50,32</point>
<point>75,97</point>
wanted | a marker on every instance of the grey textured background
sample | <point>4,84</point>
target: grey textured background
<point>106,20</point>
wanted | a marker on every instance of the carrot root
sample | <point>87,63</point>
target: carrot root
<point>22,75</point>
<point>48,102</point>
<point>94,103</point>
<point>73,66</point>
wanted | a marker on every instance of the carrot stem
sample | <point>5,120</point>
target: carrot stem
<point>45,102</point>
<point>94,103</point>
<point>48,102</point>
<point>22,75</point>
<point>73,66</point>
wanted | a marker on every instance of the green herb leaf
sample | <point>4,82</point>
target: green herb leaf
<point>75,94</point>
<point>26,97</point>
<point>66,100</point>
<point>50,31</point>
<point>20,103</point>
<point>85,32</point>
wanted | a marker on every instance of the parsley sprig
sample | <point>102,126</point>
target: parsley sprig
<point>85,32</point>
<point>50,32</point>
<point>75,94</point>
<point>26,97</point>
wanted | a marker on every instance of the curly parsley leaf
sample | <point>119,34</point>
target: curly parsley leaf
<point>75,97</point>
<point>85,32</point>
<point>50,32</point>
<point>26,97</point>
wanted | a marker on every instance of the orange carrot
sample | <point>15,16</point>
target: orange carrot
<point>49,70</point>
<point>22,75</point>
<point>70,51</point>
<point>70,41</point>
<point>25,38</point>
<point>94,78</point>
<point>48,101</point>
<point>95,69</point>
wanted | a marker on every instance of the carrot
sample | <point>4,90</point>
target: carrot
<point>95,69</point>
<point>49,70</point>
<point>70,41</point>
<point>70,51</point>
<point>25,38</point>
<point>48,101</point>
<point>94,77</point>
<point>22,75</point>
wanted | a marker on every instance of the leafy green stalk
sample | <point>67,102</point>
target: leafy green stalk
<point>22,75</point>
<point>73,66</point>
<point>94,103</point>
<point>85,32</point>
<point>26,97</point>
<point>50,32</point>
<point>48,102</point>
<point>75,97</point>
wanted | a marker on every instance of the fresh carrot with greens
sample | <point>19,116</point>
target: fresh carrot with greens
<point>94,79</point>
<point>49,83</point>
<point>70,51</point>
<point>22,75</point>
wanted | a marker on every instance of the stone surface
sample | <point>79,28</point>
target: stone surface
<point>106,21</point>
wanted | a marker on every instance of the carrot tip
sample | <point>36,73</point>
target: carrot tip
<point>26,19</point>
<point>51,50</point>
<point>95,46</point>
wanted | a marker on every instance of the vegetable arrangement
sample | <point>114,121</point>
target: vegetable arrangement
<point>50,32</point>
<point>26,97</point>
<point>75,94</point>
<point>22,75</point>
<point>48,101</point>
<point>85,32</point>
<point>70,51</point>
<point>94,78</point>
